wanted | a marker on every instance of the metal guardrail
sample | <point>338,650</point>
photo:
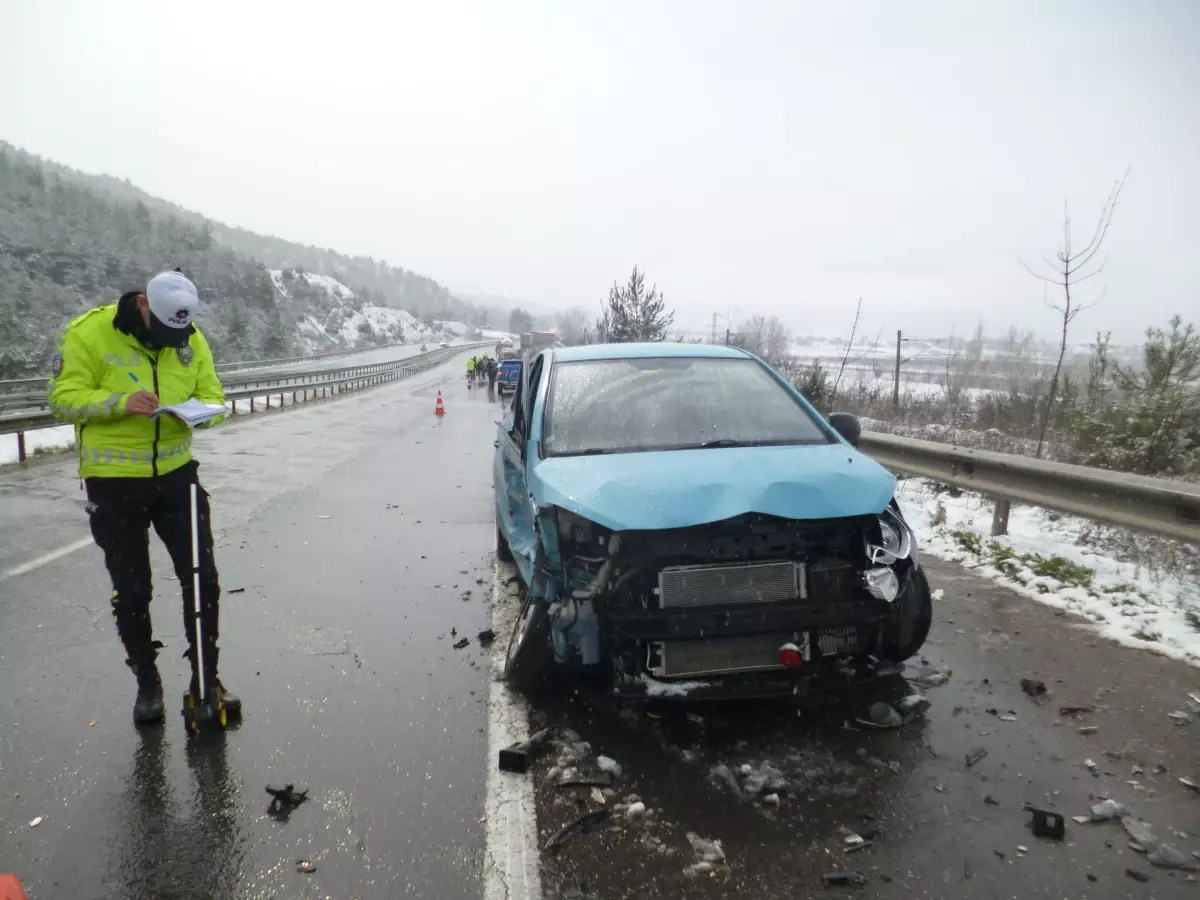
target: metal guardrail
<point>325,383</point>
<point>1155,505</point>
<point>36,383</point>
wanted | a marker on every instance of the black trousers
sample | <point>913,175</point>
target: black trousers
<point>122,511</point>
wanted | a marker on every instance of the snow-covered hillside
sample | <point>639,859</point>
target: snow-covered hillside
<point>333,317</point>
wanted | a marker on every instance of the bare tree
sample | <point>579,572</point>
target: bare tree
<point>572,326</point>
<point>1070,268</point>
<point>768,339</point>
<point>846,353</point>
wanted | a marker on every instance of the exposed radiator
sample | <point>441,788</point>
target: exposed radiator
<point>747,653</point>
<point>767,582</point>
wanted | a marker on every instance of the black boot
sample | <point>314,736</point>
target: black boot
<point>148,708</point>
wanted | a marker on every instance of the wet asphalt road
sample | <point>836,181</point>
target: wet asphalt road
<point>939,828</point>
<point>351,531</point>
<point>355,528</point>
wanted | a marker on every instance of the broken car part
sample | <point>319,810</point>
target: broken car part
<point>1048,824</point>
<point>518,757</point>
<point>579,823</point>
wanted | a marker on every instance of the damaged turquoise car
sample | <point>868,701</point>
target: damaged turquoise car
<point>685,524</point>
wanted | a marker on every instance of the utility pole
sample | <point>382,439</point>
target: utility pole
<point>896,382</point>
<point>726,337</point>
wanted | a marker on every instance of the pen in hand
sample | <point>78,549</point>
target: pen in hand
<point>142,403</point>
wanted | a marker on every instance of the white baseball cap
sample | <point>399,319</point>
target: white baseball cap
<point>174,303</point>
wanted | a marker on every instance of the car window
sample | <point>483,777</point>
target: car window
<point>535,376</point>
<point>630,405</point>
<point>518,417</point>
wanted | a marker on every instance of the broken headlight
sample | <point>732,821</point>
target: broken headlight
<point>897,540</point>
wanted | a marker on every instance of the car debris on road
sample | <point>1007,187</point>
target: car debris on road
<point>516,758</point>
<point>836,879</point>
<point>579,823</point>
<point>286,797</point>
<point>1047,824</point>
<point>975,756</point>
<point>1032,687</point>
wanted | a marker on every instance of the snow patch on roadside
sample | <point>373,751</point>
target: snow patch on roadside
<point>48,440</point>
<point>1124,602</point>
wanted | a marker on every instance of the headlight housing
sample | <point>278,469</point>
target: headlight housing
<point>897,541</point>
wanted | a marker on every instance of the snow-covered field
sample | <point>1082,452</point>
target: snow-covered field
<point>1146,605</point>
<point>44,439</point>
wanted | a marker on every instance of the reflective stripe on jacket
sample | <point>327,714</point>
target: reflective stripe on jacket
<point>92,383</point>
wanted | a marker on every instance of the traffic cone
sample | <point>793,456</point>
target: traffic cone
<point>10,888</point>
<point>439,410</point>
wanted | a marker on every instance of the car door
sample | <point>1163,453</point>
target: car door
<point>515,508</point>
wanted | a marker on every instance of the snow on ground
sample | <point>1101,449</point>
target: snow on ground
<point>1042,557</point>
<point>396,325</point>
<point>454,329</point>
<point>329,284</point>
<point>44,439</point>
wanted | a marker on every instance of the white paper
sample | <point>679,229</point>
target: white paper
<point>194,412</point>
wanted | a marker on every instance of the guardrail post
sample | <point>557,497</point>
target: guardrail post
<point>20,446</point>
<point>1000,517</point>
<point>251,404</point>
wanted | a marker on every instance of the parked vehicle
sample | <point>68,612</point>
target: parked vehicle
<point>444,344</point>
<point>686,524</point>
<point>508,375</point>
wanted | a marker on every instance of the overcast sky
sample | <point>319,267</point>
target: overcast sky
<point>775,157</point>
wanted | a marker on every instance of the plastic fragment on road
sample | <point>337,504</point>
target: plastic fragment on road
<point>1081,820</point>
<point>303,865</point>
<point>286,797</point>
<point>579,823</point>
<point>517,757</point>
<point>975,756</point>
<point>1007,718</point>
<point>461,642</point>
<point>1106,811</point>
<point>1090,765</point>
<point>1048,824</point>
<point>34,823</point>
<point>913,705</point>
<point>1190,784</point>
<point>1087,729</point>
<point>610,765</point>
<point>838,879</point>
<point>709,856</point>
<point>1033,687</point>
<point>1136,875</point>
<point>1075,710</point>
<point>1179,717</point>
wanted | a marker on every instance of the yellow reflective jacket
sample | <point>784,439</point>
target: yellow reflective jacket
<point>98,367</point>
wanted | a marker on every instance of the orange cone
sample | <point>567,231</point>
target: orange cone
<point>439,410</point>
<point>10,888</point>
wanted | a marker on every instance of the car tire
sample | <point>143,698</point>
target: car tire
<point>915,605</point>
<point>528,647</point>
<point>503,551</point>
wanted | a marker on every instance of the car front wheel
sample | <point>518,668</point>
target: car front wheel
<point>915,608</point>
<point>528,648</point>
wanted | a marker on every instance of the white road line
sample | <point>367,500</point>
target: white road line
<point>45,558</point>
<point>511,870</point>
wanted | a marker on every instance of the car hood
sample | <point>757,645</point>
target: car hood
<point>680,488</point>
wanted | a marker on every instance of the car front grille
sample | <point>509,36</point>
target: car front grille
<point>844,641</point>
<point>719,656</point>
<point>699,586</point>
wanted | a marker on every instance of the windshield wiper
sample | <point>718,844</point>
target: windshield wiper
<point>591,451</point>
<point>723,442</point>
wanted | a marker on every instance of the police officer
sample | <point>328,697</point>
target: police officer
<point>114,367</point>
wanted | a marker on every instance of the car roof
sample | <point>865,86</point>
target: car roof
<point>647,351</point>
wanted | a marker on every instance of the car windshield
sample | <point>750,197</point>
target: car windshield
<point>671,403</point>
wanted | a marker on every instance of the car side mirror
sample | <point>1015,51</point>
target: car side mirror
<point>847,426</point>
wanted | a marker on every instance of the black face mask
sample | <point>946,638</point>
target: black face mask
<point>155,337</point>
